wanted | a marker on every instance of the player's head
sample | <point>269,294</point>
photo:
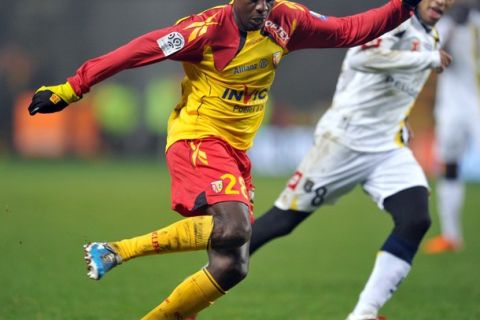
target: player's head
<point>430,11</point>
<point>250,15</point>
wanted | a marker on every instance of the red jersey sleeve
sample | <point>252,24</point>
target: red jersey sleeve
<point>314,30</point>
<point>174,42</point>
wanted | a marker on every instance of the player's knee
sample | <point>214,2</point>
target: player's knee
<point>419,222</point>
<point>231,234</point>
<point>409,209</point>
<point>229,266</point>
<point>237,269</point>
<point>231,228</point>
<point>451,171</point>
<point>235,236</point>
<point>413,225</point>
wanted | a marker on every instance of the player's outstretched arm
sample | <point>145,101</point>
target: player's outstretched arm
<point>52,99</point>
<point>363,27</point>
<point>382,55</point>
<point>140,51</point>
<point>318,31</point>
<point>155,46</point>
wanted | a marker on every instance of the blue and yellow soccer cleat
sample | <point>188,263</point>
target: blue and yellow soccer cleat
<point>100,258</point>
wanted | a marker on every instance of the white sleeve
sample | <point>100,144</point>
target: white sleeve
<point>378,56</point>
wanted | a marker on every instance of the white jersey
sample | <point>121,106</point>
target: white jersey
<point>377,86</point>
<point>457,107</point>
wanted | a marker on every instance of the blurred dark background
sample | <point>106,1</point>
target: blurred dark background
<point>44,42</point>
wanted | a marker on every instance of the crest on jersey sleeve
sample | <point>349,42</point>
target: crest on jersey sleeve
<point>171,43</point>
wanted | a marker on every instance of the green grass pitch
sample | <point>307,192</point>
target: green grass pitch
<point>48,210</point>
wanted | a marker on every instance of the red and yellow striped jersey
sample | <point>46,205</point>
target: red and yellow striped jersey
<point>228,73</point>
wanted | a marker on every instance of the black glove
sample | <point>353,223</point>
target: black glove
<point>46,102</point>
<point>52,99</point>
<point>411,3</point>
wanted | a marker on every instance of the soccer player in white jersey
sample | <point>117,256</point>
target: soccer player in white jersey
<point>457,119</point>
<point>361,140</point>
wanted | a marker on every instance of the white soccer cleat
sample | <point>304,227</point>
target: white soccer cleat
<point>100,258</point>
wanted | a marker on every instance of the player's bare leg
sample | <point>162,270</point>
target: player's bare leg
<point>271,225</point>
<point>228,265</point>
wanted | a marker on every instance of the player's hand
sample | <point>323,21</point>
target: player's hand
<point>52,99</point>
<point>411,3</point>
<point>445,60</point>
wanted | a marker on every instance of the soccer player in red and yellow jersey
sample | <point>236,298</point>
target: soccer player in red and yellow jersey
<point>229,54</point>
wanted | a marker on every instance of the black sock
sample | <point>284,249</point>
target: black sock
<point>273,224</point>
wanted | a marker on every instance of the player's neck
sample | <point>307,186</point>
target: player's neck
<point>241,28</point>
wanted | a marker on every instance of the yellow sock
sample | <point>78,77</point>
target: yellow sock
<point>184,235</point>
<point>194,294</point>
